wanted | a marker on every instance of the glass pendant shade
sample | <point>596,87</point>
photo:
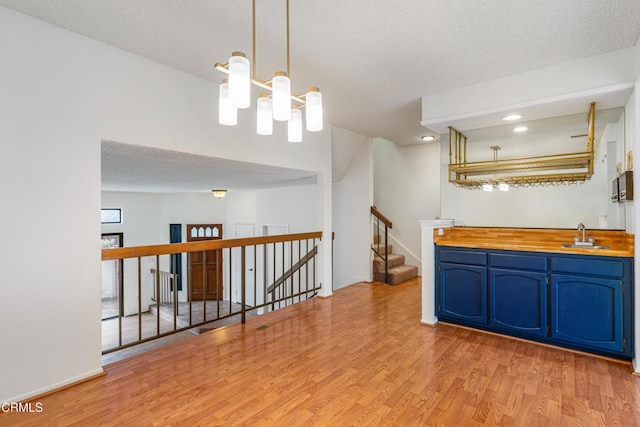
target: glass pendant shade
<point>281,96</point>
<point>503,186</point>
<point>487,187</point>
<point>239,80</point>
<point>314,109</point>
<point>265,115</point>
<point>227,114</point>
<point>295,126</point>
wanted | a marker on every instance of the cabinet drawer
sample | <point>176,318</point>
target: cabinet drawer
<point>463,257</point>
<point>524,262</point>
<point>588,266</point>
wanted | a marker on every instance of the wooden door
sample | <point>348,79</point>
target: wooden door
<point>205,267</point>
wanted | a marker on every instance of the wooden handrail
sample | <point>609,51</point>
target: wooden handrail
<point>203,245</point>
<point>381,217</point>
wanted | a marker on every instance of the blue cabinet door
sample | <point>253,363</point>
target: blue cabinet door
<point>587,311</point>
<point>518,301</point>
<point>463,293</point>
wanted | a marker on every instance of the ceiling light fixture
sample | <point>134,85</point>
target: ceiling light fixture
<point>428,138</point>
<point>512,117</point>
<point>520,129</point>
<point>280,105</point>
<point>219,194</point>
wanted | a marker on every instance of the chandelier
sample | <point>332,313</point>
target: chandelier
<point>278,103</point>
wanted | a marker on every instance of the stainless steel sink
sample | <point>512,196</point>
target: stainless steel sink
<point>583,246</point>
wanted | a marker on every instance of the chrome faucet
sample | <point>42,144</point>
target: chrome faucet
<point>582,228</point>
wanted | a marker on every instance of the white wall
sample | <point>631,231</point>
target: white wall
<point>631,130</point>
<point>406,190</point>
<point>352,200</point>
<point>141,216</point>
<point>293,206</point>
<point>241,209</point>
<point>561,206</point>
<point>62,95</point>
<point>633,127</point>
<point>191,208</point>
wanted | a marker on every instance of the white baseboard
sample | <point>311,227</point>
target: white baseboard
<point>55,386</point>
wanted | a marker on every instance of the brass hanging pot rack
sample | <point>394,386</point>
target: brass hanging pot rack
<point>564,168</point>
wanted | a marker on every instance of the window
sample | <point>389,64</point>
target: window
<point>111,216</point>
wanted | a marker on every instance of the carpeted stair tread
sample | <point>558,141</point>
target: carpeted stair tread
<point>394,261</point>
<point>397,274</point>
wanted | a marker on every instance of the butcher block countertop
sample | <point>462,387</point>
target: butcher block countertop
<point>620,243</point>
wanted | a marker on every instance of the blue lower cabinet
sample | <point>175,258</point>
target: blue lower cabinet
<point>463,293</point>
<point>518,301</point>
<point>588,311</point>
<point>584,302</point>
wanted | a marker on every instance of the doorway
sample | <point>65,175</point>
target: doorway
<point>205,267</point>
<point>112,278</point>
<point>244,230</point>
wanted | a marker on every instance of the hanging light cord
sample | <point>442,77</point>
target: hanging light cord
<point>288,44</point>
<point>253,41</point>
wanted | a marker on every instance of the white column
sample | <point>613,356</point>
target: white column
<point>325,253</point>
<point>428,268</point>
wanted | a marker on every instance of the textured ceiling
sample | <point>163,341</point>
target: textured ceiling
<point>152,170</point>
<point>373,59</point>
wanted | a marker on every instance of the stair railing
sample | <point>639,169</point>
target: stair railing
<point>293,270</point>
<point>260,265</point>
<point>378,218</point>
<point>167,281</point>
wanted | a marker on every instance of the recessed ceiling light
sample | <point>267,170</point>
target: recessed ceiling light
<point>428,138</point>
<point>520,129</point>
<point>512,117</point>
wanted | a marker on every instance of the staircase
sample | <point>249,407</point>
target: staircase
<point>398,270</point>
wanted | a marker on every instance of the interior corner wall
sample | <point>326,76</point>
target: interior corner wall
<point>352,201</point>
<point>406,190</point>
<point>62,94</point>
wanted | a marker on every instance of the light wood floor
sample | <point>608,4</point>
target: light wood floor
<point>358,358</point>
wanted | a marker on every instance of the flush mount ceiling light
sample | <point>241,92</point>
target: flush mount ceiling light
<point>520,129</point>
<point>512,117</point>
<point>219,194</point>
<point>278,104</point>
<point>428,138</point>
